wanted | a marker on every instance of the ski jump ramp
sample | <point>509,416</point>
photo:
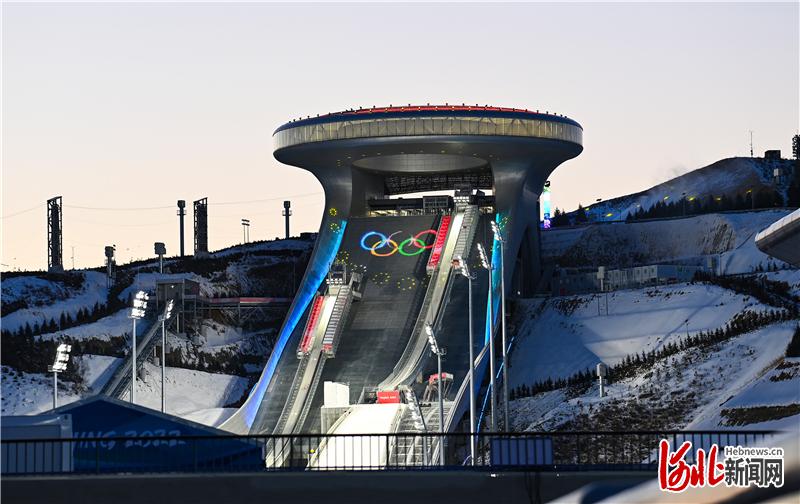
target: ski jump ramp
<point>362,158</point>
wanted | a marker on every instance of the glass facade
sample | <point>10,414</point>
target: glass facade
<point>419,126</point>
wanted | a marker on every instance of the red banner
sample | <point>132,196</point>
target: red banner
<point>438,244</point>
<point>388,397</point>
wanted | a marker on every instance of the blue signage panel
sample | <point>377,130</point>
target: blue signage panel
<point>109,418</point>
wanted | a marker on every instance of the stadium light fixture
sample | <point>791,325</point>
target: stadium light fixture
<point>166,315</point>
<point>484,258</point>
<point>59,366</point>
<point>487,265</point>
<point>138,311</point>
<point>466,274</point>
<point>438,352</point>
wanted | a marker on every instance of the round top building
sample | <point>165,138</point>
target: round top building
<point>362,156</point>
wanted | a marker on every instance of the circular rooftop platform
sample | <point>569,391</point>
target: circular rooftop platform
<point>429,121</point>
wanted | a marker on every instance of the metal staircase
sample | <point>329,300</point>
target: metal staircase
<point>466,234</point>
<point>411,449</point>
<point>341,308</point>
<point>120,381</point>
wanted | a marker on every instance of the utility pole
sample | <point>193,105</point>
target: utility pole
<point>161,251</point>
<point>181,215</point>
<point>287,212</point>
<point>73,257</point>
<point>751,143</point>
<point>246,230</point>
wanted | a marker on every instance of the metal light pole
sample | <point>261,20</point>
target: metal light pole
<point>59,365</point>
<point>498,235</point>
<point>164,318</point>
<point>439,352</point>
<point>137,312</point>
<point>161,251</point>
<point>245,230</point>
<point>466,274</point>
<point>492,388</point>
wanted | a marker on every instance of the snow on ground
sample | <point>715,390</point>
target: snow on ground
<point>48,300</point>
<point>31,393</point>
<point>220,335</point>
<point>778,386</point>
<point>790,276</point>
<point>117,324</point>
<point>187,390</point>
<point>210,416</point>
<point>271,245</point>
<point>686,391</point>
<point>558,342</point>
<point>192,394</point>
<point>359,451</point>
<point>97,369</point>
<point>729,177</point>
<point>666,241</point>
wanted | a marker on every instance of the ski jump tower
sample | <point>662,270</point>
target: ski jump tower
<point>369,154</point>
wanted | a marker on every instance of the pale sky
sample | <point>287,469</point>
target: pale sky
<point>125,108</point>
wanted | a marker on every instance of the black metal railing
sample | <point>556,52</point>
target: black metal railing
<point>539,451</point>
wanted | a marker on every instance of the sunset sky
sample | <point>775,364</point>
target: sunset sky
<point>124,108</point>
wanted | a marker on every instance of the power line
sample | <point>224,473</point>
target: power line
<point>136,209</point>
<point>305,195</point>
<point>40,205</point>
<point>117,209</point>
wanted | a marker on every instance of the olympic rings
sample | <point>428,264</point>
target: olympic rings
<point>403,247</point>
<point>390,242</point>
<point>419,243</point>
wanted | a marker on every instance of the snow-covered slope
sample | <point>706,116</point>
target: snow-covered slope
<point>569,335</point>
<point>689,239</point>
<point>189,393</point>
<point>48,299</point>
<point>687,391</point>
<point>691,389</point>
<point>728,177</point>
<point>233,347</point>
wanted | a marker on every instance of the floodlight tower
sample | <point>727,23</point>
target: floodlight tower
<point>181,215</point>
<point>55,251</point>
<point>110,264</point>
<point>287,212</point>
<point>246,230</point>
<point>439,352</point>
<point>161,251</point>
<point>59,365</point>
<point>164,317</point>
<point>492,388</point>
<point>137,312</point>
<point>466,274</point>
<point>201,227</point>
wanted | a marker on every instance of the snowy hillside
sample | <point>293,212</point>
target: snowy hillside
<point>727,177</point>
<point>205,374</point>
<point>41,300</point>
<point>687,240</point>
<point>708,386</point>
